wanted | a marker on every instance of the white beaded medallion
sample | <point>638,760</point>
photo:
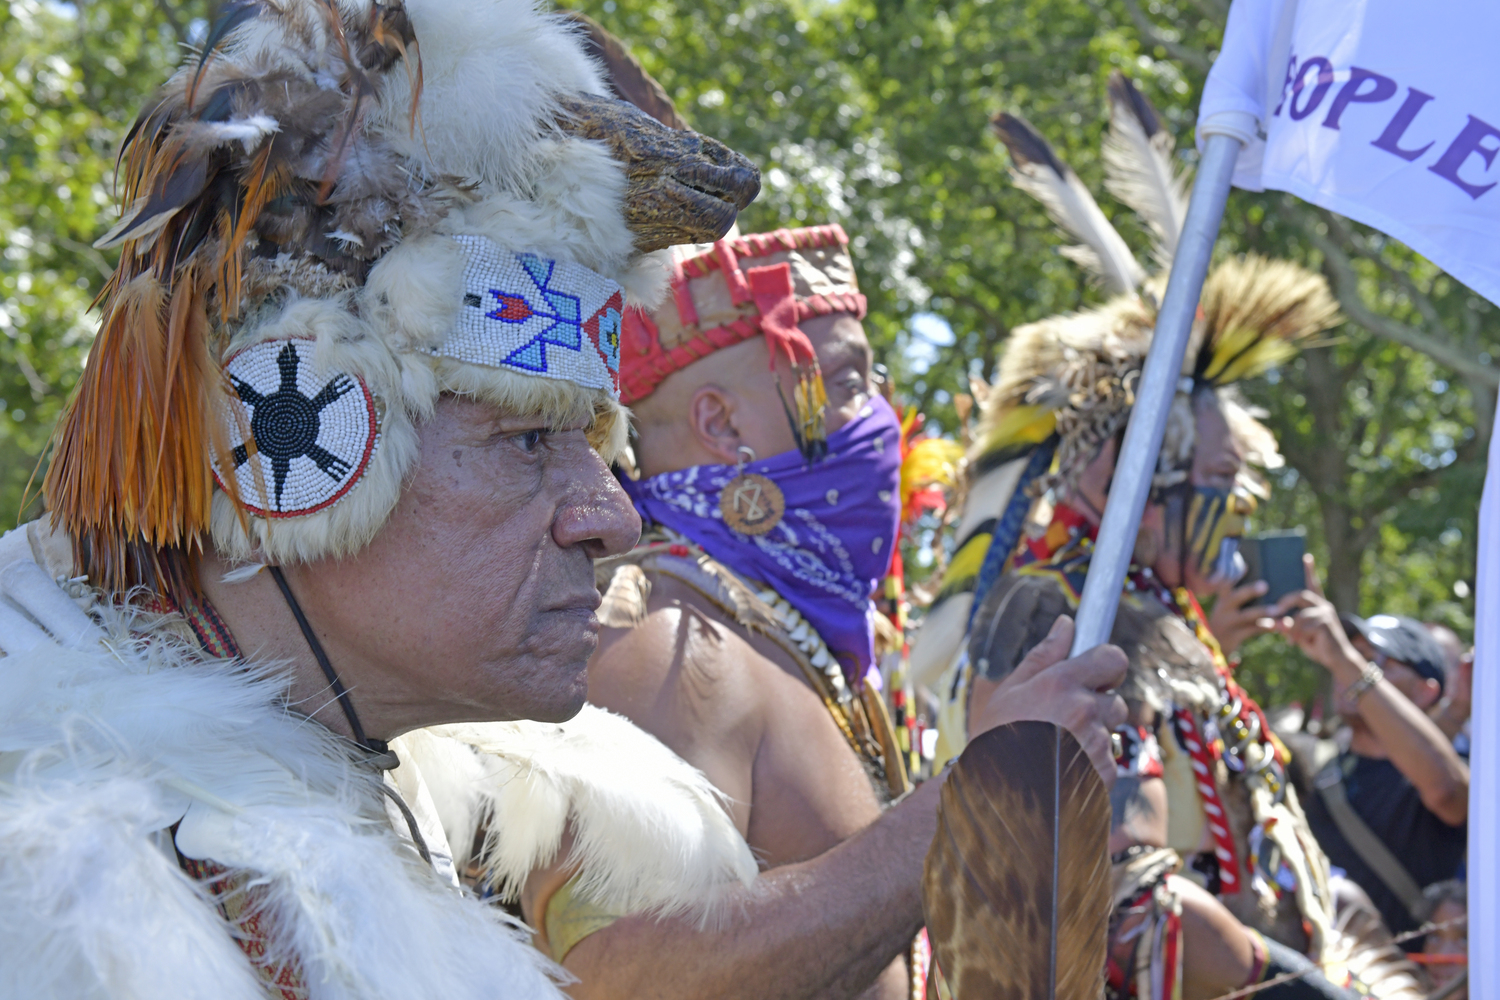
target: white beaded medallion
<point>538,316</point>
<point>311,431</point>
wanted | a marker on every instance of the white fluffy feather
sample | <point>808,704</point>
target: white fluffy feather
<point>650,832</point>
<point>492,74</point>
<point>90,908</point>
<point>1140,170</point>
<point>102,750</point>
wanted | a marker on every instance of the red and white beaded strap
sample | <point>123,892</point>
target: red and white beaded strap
<point>1203,775</point>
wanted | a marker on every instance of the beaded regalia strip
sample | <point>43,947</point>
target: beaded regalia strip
<point>536,316</point>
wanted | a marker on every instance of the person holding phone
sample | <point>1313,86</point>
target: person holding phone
<point>1391,799</point>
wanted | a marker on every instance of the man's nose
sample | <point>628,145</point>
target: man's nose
<point>596,514</point>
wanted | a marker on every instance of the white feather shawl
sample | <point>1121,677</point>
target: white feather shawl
<point>104,745</point>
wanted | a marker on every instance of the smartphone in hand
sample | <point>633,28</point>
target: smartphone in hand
<point>1275,557</point>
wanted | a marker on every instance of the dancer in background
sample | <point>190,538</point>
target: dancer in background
<point>1219,881</point>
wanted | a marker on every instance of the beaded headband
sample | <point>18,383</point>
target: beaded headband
<point>537,316</point>
<point>758,285</point>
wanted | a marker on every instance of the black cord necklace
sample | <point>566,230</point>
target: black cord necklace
<point>383,758</point>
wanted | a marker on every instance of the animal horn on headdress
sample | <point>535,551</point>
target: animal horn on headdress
<point>1038,171</point>
<point>626,76</point>
<point>1139,166</point>
<point>1016,887</point>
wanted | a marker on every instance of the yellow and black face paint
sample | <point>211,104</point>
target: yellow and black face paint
<point>1214,524</point>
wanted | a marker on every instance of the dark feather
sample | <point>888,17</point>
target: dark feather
<point>1038,171</point>
<point>220,103</point>
<point>1016,888</point>
<point>148,124</point>
<point>1123,93</point>
<point>235,13</point>
<point>169,194</point>
<point>1025,143</point>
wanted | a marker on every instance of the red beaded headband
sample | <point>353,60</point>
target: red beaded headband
<point>768,290</point>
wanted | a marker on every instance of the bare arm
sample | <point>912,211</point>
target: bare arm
<point>1411,740</point>
<point>825,927</point>
<point>828,926</point>
<point>1452,712</point>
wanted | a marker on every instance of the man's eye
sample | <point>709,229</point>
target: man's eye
<point>530,440</point>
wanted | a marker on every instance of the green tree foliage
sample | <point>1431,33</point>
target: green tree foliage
<point>71,80</point>
<point>874,113</point>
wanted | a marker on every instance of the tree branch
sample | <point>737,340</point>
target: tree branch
<point>1338,226</point>
<point>1345,281</point>
<point>1155,36</point>
<point>171,14</point>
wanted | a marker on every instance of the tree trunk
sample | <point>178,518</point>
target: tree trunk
<point>1328,473</point>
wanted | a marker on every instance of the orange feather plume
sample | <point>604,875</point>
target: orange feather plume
<point>201,174</point>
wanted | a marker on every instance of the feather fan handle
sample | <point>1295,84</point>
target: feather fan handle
<point>1042,175</point>
<point>1139,166</point>
<point>1017,883</point>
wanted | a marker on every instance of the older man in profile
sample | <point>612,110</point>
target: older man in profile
<point>336,471</point>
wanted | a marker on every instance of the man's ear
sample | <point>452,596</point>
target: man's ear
<point>711,420</point>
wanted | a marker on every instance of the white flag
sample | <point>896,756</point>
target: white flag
<point>1385,111</point>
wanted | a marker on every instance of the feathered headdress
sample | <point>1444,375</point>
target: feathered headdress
<point>335,212</point>
<point>1067,383</point>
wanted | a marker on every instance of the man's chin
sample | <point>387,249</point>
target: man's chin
<point>568,702</point>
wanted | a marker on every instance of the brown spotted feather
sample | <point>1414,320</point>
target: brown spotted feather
<point>1017,882</point>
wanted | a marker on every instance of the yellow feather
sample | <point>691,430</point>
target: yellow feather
<point>1020,425</point>
<point>966,561</point>
<point>929,462</point>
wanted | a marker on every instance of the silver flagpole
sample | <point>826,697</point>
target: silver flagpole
<point>1148,420</point>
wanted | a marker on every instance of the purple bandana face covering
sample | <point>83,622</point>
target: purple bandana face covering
<point>833,544</point>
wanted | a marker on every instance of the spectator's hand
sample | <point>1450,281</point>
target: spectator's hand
<point>1453,711</point>
<point>1238,613</point>
<point>1311,621</point>
<point>1462,697</point>
<point>1075,694</point>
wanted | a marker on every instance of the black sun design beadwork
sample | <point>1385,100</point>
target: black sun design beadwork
<point>311,432</point>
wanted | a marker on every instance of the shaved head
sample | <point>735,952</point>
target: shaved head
<point>704,413</point>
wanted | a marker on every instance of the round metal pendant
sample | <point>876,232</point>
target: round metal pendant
<point>310,431</point>
<point>752,504</point>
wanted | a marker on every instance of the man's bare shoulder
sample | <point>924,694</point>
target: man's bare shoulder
<point>682,640</point>
<point>733,703</point>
